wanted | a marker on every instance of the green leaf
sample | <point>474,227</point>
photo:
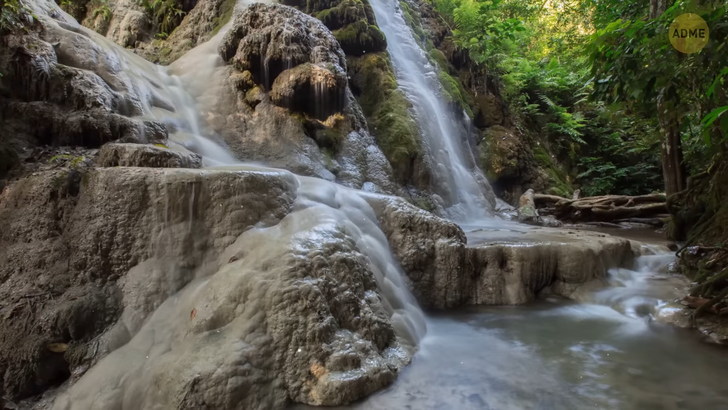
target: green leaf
<point>715,82</point>
<point>714,115</point>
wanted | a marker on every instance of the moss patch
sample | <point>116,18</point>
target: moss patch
<point>361,38</point>
<point>386,109</point>
<point>223,16</point>
<point>437,56</point>
<point>413,21</point>
<point>557,180</point>
<point>455,92</point>
<point>495,154</point>
<point>347,12</point>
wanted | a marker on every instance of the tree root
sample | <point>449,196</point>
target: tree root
<point>708,305</point>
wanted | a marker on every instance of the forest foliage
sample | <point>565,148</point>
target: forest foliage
<point>585,76</point>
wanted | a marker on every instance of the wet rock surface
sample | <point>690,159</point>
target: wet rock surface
<point>61,88</point>
<point>714,328</point>
<point>514,268</point>
<point>68,237</point>
<point>285,100</point>
<point>446,269</point>
<point>296,321</point>
<point>142,155</point>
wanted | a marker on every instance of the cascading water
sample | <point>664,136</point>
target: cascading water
<point>457,179</point>
<point>163,96</point>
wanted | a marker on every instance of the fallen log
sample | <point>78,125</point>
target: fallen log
<point>606,208</point>
<point>544,199</point>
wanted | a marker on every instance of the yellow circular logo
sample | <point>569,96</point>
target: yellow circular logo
<point>689,33</point>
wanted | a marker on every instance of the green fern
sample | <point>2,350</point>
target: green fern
<point>103,9</point>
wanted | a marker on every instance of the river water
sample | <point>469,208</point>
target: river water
<point>602,352</point>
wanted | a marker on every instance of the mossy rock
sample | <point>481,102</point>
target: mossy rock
<point>489,111</point>
<point>371,79</point>
<point>329,135</point>
<point>224,15</point>
<point>361,38</point>
<point>386,108</point>
<point>412,19</point>
<point>455,93</point>
<point>347,12</point>
<point>499,154</point>
<point>243,80</point>
<point>558,183</point>
<point>438,57</point>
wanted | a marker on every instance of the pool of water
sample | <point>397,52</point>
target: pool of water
<point>604,351</point>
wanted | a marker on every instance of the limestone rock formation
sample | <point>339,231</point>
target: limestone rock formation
<point>285,100</point>
<point>143,155</point>
<point>66,238</point>
<point>266,40</point>
<point>61,88</point>
<point>515,270</point>
<point>431,251</point>
<point>296,87</point>
<point>495,269</point>
<point>291,313</point>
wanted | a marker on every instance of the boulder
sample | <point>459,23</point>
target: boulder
<point>527,212</point>
<point>269,39</point>
<point>430,250</point>
<point>503,156</point>
<point>142,155</point>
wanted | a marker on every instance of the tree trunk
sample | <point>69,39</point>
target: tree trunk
<point>673,168</point>
<point>657,7</point>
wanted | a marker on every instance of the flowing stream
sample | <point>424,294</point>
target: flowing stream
<point>603,352</point>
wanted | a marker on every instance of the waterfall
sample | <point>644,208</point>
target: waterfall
<point>456,178</point>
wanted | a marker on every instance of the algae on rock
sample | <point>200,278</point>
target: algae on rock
<point>387,110</point>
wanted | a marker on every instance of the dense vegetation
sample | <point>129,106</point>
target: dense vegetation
<point>585,77</point>
<point>621,109</point>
